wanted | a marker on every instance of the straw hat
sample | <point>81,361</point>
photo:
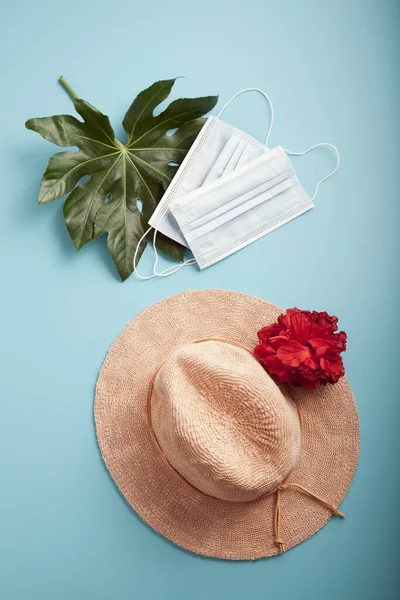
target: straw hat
<point>206,447</point>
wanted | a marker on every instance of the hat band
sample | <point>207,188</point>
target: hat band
<point>277,490</point>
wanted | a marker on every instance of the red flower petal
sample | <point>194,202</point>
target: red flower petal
<point>278,340</point>
<point>321,346</point>
<point>310,363</point>
<point>274,366</point>
<point>300,326</point>
<point>333,368</point>
<point>323,324</point>
<point>293,354</point>
<point>286,318</point>
<point>266,332</point>
<point>263,352</point>
<point>302,348</point>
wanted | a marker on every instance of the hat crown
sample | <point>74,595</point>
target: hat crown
<point>223,423</point>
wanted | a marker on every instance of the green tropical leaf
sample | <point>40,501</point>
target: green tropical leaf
<point>120,175</point>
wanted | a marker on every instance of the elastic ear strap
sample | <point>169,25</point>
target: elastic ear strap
<point>328,145</point>
<point>135,257</point>
<point>170,270</point>
<point>268,99</point>
<point>166,272</point>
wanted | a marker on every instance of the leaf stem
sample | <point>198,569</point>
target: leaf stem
<point>68,88</point>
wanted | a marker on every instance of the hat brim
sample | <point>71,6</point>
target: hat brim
<point>205,525</point>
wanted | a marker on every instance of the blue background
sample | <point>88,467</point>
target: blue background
<point>332,70</point>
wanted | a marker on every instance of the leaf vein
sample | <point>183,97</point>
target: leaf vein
<point>161,123</point>
<point>163,175</point>
<point>85,162</point>
<point>143,180</point>
<point>141,112</point>
<point>94,195</point>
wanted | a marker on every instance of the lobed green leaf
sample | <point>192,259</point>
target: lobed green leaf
<point>139,171</point>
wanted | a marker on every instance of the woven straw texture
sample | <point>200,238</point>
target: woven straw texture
<point>223,423</point>
<point>227,441</point>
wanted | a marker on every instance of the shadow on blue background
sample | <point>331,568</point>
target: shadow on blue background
<point>332,70</point>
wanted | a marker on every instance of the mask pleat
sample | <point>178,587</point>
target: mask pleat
<point>218,149</point>
<point>210,203</point>
<point>225,156</point>
<point>247,155</point>
<point>230,213</point>
<point>245,203</point>
<point>232,164</point>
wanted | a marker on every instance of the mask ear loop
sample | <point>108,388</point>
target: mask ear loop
<point>328,145</point>
<point>166,272</point>
<point>268,99</point>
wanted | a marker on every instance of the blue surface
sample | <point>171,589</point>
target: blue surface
<point>332,71</point>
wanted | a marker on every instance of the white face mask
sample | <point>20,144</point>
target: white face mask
<point>218,150</point>
<point>228,214</point>
<point>234,203</point>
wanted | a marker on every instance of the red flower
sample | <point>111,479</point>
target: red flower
<point>303,348</point>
